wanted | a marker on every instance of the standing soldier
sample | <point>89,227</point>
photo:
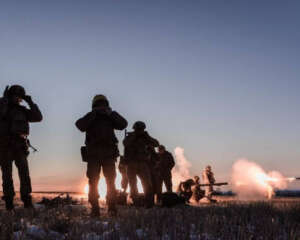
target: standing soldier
<point>14,131</point>
<point>154,171</point>
<point>101,149</point>
<point>166,163</point>
<point>208,178</point>
<point>123,170</point>
<point>136,145</point>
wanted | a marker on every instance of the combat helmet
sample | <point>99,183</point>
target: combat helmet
<point>99,98</point>
<point>139,125</point>
<point>162,147</point>
<point>208,168</point>
<point>196,178</point>
<point>16,90</point>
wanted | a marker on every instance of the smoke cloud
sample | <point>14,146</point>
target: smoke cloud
<point>251,182</point>
<point>181,171</point>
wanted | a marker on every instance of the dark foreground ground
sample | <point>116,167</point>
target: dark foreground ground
<point>228,219</point>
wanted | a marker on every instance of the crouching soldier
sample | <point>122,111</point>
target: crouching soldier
<point>14,130</point>
<point>136,145</point>
<point>185,189</point>
<point>101,149</point>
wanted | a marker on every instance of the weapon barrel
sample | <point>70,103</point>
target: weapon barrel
<point>213,184</point>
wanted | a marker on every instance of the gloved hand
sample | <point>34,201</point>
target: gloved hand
<point>106,110</point>
<point>28,99</point>
<point>5,93</point>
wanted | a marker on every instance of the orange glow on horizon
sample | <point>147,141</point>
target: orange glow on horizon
<point>102,186</point>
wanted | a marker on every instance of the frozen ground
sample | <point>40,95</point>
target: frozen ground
<point>229,219</point>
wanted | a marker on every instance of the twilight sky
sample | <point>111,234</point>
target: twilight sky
<point>218,78</point>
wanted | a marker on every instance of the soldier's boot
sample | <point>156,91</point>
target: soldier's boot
<point>95,210</point>
<point>111,201</point>
<point>9,204</point>
<point>112,210</point>
<point>149,203</point>
<point>27,200</point>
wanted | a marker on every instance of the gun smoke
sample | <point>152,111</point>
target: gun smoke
<point>251,182</point>
<point>181,171</point>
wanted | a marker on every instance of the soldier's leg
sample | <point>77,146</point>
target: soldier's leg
<point>93,174</point>
<point>210,192</point>
<point>154,185</point>
<point>25,182</point>
<point>7,179</point>
<point>158,188</point>
<point>109,172</point>
<point>195,194</point>
<point>145,176</point>
<point>131,174</point>
<point>168,181</point>
<point>124,182</point>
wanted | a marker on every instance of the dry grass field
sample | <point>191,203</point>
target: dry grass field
<point>228,219</point>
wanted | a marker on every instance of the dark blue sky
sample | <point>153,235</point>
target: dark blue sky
<point>218,78</point>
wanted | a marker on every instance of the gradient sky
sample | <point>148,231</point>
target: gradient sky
<point>218,78</point>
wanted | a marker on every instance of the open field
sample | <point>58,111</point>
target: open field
<point>228,219</point>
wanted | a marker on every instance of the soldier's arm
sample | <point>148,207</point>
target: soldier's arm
<point>34,114</point>
<point>128,140</point>
<point>171,161</point>
<point>83,123</point>
<point>152,141</point>
<point>119,122</point>
<point>3,107</point>
<point>213,178</point>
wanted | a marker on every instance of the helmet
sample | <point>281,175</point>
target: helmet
<point>161,147</point>
<point>16,90</point>
<point>99,98</point>
<point>139,125</point>
<point>208,168</point>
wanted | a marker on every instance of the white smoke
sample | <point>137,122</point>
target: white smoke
<point>181,171</point>
<point>250,181</point>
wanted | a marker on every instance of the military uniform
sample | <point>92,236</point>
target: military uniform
<point>155,172</point>
<point>102,149</point>
<point>208,178</point>
<point>166,163</point>
<point>137,155</point>
<point>198,193</point>
<point>185,189</point>
<point>123,171</point>
<point>14,130</point>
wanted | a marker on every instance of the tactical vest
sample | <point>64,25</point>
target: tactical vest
<point>18,122</point>
<point>101,132</point>
<point>14,121</point>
